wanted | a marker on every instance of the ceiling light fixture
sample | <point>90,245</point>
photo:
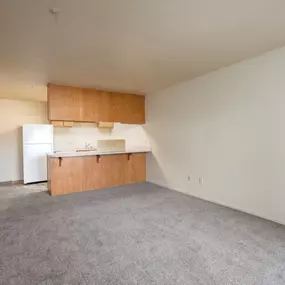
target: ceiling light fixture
<point>53,10</point>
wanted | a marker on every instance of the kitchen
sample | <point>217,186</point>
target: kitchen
<point>95,140</point>
<point>142,142</point>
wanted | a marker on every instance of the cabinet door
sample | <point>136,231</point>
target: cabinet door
<point>96,106</point>
<point>128,108</point>
<point>117,107</point>
<point>65,175</point>
<point>104,107</point>
<point>92,173</point>
<point>135,109</point>
<point>114,170</point>
<point>64,103</point>
<point>136,168</point>
<point>90,105</point>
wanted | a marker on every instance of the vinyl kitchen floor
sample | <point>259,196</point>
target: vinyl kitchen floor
<point>10,192</point>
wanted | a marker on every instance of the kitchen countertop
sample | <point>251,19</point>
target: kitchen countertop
<point>90,153</point>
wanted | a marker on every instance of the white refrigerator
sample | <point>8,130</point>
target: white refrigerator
<point>37,142</point>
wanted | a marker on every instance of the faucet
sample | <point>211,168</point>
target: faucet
<point>88,145</point>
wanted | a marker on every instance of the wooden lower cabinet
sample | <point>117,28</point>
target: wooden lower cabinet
<point>136,169</point>
<point>65,175</point>
<point>83,173</point>
<point>114,170</point>
<point>91,170</point>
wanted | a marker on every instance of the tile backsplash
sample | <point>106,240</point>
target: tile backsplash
<point>66,139</point>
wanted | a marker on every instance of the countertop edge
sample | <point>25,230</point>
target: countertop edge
<point>95,153</point>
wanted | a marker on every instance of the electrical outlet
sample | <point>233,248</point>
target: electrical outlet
<point>201,180</point>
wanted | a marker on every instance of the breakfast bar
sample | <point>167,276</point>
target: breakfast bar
<point>70,172</point>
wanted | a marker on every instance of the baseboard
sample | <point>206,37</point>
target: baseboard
<point>18,182</point>
<point>11,182</point>
<point>221,204</point>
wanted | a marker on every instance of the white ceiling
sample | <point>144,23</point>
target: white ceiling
<point>129,45</point>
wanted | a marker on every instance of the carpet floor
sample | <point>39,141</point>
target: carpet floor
<point>136,234</point>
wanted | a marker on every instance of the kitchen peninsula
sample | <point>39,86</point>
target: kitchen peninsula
<point>83,171</point>
<point>73,171</point>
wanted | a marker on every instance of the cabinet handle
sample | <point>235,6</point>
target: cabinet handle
<point>129,156</point>
<point>98,158</point>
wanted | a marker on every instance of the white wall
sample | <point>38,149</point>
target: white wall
<point>227,127</point>
<point>66,139</point>
<point>13,114</point>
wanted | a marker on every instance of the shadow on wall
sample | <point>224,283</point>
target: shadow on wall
<point>20,154</point>
<point>5,156</point>
<point>154,173</point>
<point>8,154</point>
<point>11,155</point>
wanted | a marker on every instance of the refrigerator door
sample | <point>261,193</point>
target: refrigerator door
<point>35,162</point>
<point>37,134</point>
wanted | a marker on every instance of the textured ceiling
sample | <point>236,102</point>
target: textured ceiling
<point>129,45</point>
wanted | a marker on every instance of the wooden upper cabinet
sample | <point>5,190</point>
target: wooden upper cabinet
<point>64,103</point>
<point>117,107</point>
<point>135,109</point>
<point>91,105</point>
<point>95,106</point>
<point>105,107</point>
<point>128,108</point>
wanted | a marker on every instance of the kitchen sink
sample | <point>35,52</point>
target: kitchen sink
<point>86,149</point>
